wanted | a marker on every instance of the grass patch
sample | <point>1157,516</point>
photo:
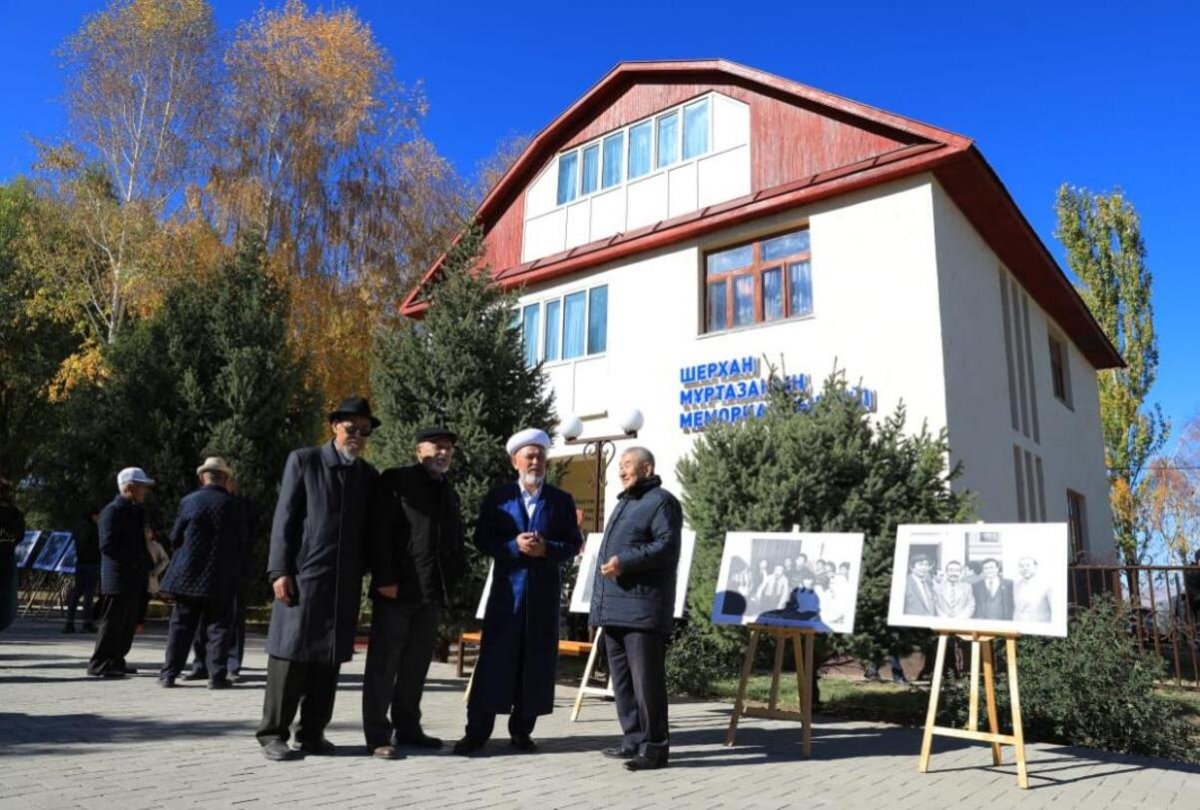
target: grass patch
<point>840,697</point>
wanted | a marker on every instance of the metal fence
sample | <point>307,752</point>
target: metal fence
<point>1161,617</point>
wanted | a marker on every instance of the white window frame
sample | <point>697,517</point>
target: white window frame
<point>561,297</point>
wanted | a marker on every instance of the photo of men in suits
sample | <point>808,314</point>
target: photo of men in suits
<point>918,591</point>
<point>993,593</point>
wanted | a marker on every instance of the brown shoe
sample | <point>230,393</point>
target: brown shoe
<point>386,752</point>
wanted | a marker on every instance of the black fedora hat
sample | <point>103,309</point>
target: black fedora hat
<point>354,406</point>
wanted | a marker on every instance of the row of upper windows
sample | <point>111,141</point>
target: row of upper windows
<point>679,134</point>
<point>564,328</point>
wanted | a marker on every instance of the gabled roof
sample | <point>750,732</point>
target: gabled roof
<point>952,158</point>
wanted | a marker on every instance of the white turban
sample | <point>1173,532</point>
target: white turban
<point>523,438</point>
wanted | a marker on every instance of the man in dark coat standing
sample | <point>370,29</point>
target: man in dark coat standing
<point>124,567</point>
<point>530,529</point>
<point>207,539</point>
<point>633,599</point>
<point>87,573</point>
<point>416,557</point>
<point>316,564</point>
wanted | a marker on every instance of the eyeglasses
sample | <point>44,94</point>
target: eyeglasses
<point>354,430</point>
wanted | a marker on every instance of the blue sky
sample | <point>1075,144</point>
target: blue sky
<point>1097,94</point>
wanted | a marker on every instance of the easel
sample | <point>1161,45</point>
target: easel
<point>972,732</point>
<point>585,687</point>
<point>803,641</point>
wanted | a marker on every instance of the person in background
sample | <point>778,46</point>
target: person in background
<point>159,561</point>
<point>87,574</point>
<point>12,531</point>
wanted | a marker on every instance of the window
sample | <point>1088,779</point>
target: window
<point>575,325</point>
<point>1076,525</point>
<point>614,149</point>
<point>597,341</point>
<point>591,168</point>
<point>668,139</point>
<point>767,280</point>
<point>529,330</point>
<point>1060,376</point>
<point>553,340</point>
<point>568,166</point>
<point>695,129</point>
<point>640,145</point>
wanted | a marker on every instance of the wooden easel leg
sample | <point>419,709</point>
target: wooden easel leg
<point>973,709</point>
<point>931,715</point>
<point>587,674</point>
<point>806,704</point>
<point>1015,697</point>
<point>470,683</point>
<point>989,685</point>
<point>740,703</point>
<point>781,640</point>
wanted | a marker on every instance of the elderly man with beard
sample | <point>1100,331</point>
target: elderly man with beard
<point>633,599</point>
<point>530,529</point>
<point>316,564</point>
<point>416,551</point>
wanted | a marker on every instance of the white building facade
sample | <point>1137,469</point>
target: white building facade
<point>685,225</point>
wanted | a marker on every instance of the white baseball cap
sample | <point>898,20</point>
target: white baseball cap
<point>133,475</point>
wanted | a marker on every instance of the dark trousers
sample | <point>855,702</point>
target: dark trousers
<point>87,580</point>
<point>190,617</point>
<point>116,632</point>
<point>398,656</point>
<point>290,684</point>
<point>480,723</point>
<point>236,645</point>
<point>637,660</point>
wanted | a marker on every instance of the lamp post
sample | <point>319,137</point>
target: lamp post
<point>602,449</point>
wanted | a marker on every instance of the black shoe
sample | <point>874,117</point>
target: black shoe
<point>524,744</point>
<point>644,763</point>
<point>196,675</point>
<point>468,746</point>
<point>107,673</point>
<point>130,670</point>
<point>619,753</point>
<point>166,681</point>
<point>68,629</point>
<point>220,683</point>
<point>278,751</point>
<point>319,748</point>
<point>419,740</point>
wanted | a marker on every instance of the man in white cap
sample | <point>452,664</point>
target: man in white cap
<point>209,534</point>
<point>530,529</point>
<point>124,566</point>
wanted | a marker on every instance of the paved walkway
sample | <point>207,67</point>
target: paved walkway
<point>67,740</point>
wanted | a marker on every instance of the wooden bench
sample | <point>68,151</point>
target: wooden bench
<point>565,647</point>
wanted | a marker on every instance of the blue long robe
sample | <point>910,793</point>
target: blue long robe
<point>520,625</point>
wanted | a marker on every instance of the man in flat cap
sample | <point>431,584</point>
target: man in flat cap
<point>416,558</point>
<point>529,528</point>
<point>208,538</point>
<point>124,572</point>
<point>316,564</point>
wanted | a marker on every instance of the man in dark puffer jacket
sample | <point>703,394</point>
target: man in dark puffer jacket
<point>208,537</point>
<point>633,599</point>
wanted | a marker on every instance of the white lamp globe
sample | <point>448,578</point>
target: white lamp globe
<point>632,421</point>
<point>572,428</point>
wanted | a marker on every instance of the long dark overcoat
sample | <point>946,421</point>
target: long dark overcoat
<point>207,540</point>
<point>520,627</point>
<point>318,536</point>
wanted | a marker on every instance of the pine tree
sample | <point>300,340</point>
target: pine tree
<point>463,366</point>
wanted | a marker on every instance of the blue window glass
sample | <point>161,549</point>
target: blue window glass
<point>614,149</point>
<point>787,245</point>
<point>553,339</point>
<point>529,331</point>
<point>730,259</point>
<point>668,139</point>
<point>597,340</point>
<point>640,146</point>
<point>695,129</point>
<point>591,168</point>
<point>800,300</point>
<point>716,306</point>
<point>568,166</point>
<point>772,293</point>
<point>743,300</point>
<point>574,313</point>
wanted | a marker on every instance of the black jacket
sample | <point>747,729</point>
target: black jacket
<point>12,531</point>
<point>416,536</point>
<point>207,540</point>
<point>87,543</point>
<point>644,534</point>
<point>318,537</point>
<point>124,558</point>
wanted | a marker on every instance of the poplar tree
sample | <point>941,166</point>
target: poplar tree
<point>1103,241</point>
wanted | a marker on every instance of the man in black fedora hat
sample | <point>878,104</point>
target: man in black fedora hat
<point>316,563</point>
<point>416,554</point>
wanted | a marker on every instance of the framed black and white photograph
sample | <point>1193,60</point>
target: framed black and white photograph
<point>981,577</point>
<point>23,553</point>
<point>793,579</point>
<point>56,545</point>
<point>581,595</point>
